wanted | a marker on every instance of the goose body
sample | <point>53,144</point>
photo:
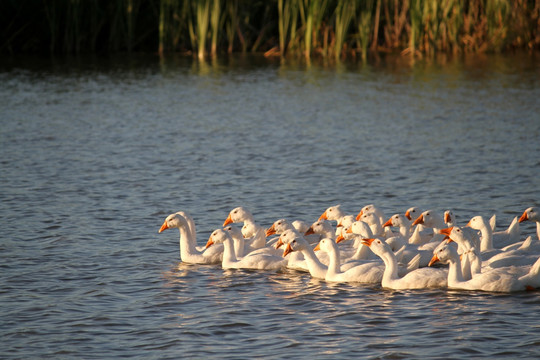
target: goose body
<point>417,279</point>
<point>496,280</point>
<point>250,261</point>
<point>369,272</point>
<point>189,253</point>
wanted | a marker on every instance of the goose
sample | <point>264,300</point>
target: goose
<point>333,213</point>
<point>532,214</point>
<point>371,208</point>
<point>496,280</point>
<point>189,253</point>
<point>467,249</point>
<point>242,248</point>
<point>525,254</point>
<point>253,233</point>
<point>323,228</point>
<point>296,242</point>
<point>369,272</point>
<point>433,220</point>
<point>255,261</point>
<point>401,222</point>
<point>280,225</point>
<point>449,218</point>
<point>489,239</point>
<point>417,279</point>
<point>374,223</point>
<point>412,213</point>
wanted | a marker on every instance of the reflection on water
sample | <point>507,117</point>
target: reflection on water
<point>97,151</point>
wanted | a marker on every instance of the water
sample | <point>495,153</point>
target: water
<point>96,153</point>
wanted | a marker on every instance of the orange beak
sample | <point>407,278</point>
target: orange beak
<point>228,220</point>
<point>288,250</point>
<point>309,231</point>
<point>209,243</point>
<point>340,238</point>
<point>433,260</point>
<point>359,215</point>
<point>367,241</point>
<point>323,216</point>
<point>420,220</point>
<point>317,248</point>
<point>524,217</point>
<point>468,224</point>
<point>446,217</point>
<point>164,226</point>
<point>349,230</point>
<point>271,230</point>
<point>446,231</point>
<point>388,223</point>
<point>408,214</point>
<point>279,243</point>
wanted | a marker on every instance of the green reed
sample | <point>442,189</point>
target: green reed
<point>364,23</point>
<point>298,28</point>
<point>344,14</point>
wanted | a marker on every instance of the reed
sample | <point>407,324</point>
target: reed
<point>344,14</point>
<point>364,22</point>
<point>497,13</point>
<point>300,28</point>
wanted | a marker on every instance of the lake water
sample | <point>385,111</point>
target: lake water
<point>97,152</point>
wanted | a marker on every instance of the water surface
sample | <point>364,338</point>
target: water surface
<point>97,152</point>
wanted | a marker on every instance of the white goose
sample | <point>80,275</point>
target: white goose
<point>433,220</point>
<point>369,272</point>
<point>532,214</point>
<point>253,233</point>
<point>279,226</point>
<point>334,213</point>
<point>256,261</point>
<point>417,279</point>
<point>401,222</point>
<point>371,208</point>
<point>489,239</point>
<point>467,249</point>
<point>296,242</point>
<point>449,218</point>
<point>496,280</point>
<point>189,253</point>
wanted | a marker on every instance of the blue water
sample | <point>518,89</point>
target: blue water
<point>97,152</point>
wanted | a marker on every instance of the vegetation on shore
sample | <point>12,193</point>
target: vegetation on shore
<point>334,29</point>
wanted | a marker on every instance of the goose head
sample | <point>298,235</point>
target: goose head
<point>378,246</point>
<point>326,245</point>
<point>174,221</point>
<point>361,228</point>
<point>412,213</point>
<point>449,217</point>
<point>278,227</point>
<point>234,231</point>
<point>238,214</point>
<point>332,213</point>
<point>444,254</point>
<point>429,218</point>
<point>286,237</point>
<point>296,243</point>
<point>320,227</point>
<point>371,208</point>
<point>219,236</point>
<point>531,214</point>
<point>478,222</point>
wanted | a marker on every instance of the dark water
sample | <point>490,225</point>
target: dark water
<point>95,154</point>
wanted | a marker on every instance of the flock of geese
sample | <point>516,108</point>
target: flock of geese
<point>413,250</point>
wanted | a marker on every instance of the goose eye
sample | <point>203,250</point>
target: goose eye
<point>293,242</point>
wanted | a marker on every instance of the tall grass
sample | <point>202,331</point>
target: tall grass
<point>295,28</point>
